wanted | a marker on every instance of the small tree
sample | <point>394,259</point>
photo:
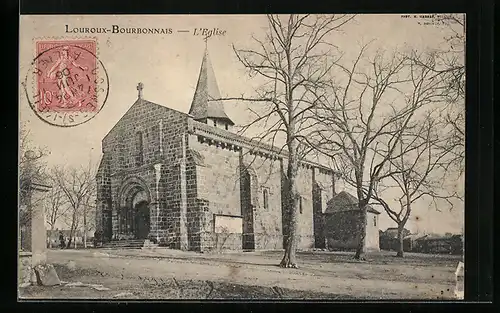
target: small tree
<point>370,108</point>
<point>418,171</point>
<point>56,206</point>
<point>31,170</point>
<point>78,187</point>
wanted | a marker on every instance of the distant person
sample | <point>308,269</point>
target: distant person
<point>97,238</point>
<point>62,242</point>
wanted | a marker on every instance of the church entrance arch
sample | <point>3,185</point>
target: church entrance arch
<point>142,221</point>
<point>135,221</point>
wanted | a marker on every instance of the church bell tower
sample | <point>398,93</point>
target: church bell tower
<point>207,106</point>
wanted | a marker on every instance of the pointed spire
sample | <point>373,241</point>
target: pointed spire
<point>203,105</point>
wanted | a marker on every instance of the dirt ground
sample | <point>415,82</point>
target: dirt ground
<point>172,274</point>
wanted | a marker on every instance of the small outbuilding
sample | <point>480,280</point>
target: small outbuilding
<point>343,218</point>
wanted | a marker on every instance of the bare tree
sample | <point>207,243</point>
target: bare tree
<point>26,144</point>
<point>294,60</point>
<point>56,206</point>
<point>453,62</point>
<point>450,67</point>
<point>418,170</point>
<point>78,187</point>
<point>31,170</point>
<point>370,108</point>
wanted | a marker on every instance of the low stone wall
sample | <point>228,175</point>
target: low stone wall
<point>268,242</point>
<point>222,242</point>
<point>24,267</point>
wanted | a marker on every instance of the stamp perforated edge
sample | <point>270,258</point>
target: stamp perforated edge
<point>34,40</point>
<point>60,38</point>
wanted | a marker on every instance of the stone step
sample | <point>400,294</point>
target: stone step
<point>130,244</point>
<point>124,247</point>
<point>149,245</point>
<point>125,243</point>
<point>128,240</point>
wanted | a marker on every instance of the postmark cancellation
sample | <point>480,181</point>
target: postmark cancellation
<point>67,84</point>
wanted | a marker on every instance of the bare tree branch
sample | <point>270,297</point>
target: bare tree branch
<point>295,59</point>
<point>371,108</point>
<point>77,185</point>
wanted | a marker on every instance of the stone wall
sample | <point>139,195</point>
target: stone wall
<point>323,191</point>
<point>266,178</point>
<point>216,188</point>
<point>217,181</point>
<point>305,232</point>
<point>158,131</point>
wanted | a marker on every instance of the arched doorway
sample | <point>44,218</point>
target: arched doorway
<point>134,216</point>
<point>141,219</point>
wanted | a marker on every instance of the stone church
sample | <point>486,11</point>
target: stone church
<point>188,181</point>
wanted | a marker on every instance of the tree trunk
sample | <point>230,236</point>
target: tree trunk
<point>289,259</point>
<point>71,232</point>
<point>360,250</point>
<point>85,228</point>
<point>400,241</point>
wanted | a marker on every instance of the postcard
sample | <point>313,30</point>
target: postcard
<point>241,156</point>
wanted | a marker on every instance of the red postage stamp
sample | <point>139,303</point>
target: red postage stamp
<point>70,83</point>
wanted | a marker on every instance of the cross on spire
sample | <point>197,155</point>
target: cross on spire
<point>140,87</point>
<point>205,39</point>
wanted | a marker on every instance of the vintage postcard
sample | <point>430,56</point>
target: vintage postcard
<point>241,156</point>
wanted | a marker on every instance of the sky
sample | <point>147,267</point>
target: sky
<point>168,66</point>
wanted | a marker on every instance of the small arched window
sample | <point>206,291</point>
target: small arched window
<point>265,194</point>
<point>139,149</point>
<point>301,210</point>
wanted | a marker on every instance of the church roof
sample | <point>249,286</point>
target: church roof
<point>255,146</point>
<point>213,133</point>
<point>343,202</point>
<point>203,105</point>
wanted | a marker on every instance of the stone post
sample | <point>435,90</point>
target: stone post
<point>39,272</point>
<point>36,235</point>
<point>38,232</point>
